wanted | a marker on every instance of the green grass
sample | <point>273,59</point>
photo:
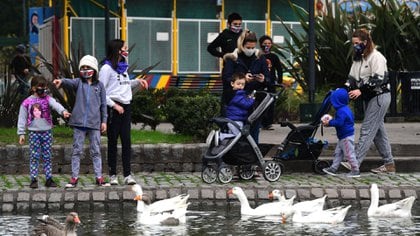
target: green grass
<point>64,135</point>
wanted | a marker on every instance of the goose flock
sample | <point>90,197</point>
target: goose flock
<point>313,211</point>
<point>172,211</point>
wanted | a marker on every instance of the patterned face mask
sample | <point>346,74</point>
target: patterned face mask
<point>235,29</point>
<point>85,74</point>
<point>124,54</point>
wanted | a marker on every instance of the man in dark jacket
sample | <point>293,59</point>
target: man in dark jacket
<point>226,40</point>
<point>20,67</point>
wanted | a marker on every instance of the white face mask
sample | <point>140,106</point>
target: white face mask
<point>249,52</point>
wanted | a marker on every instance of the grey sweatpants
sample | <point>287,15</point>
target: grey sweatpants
<point>345,150</point>
<point>79,136</point>
<point>373,129</point>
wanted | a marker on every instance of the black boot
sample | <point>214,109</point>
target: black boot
<point>34,183</point>
<point>50,183</point>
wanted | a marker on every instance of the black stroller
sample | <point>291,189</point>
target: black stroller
<point>240,151</point>
<point>301,144</point>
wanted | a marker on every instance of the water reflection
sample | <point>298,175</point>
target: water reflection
<point>217,221</point>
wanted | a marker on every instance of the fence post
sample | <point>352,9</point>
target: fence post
<point>392,75</point>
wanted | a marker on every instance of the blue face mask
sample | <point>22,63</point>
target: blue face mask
<point>358,51</point>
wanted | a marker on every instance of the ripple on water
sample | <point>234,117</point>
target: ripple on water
<point>218,221</point>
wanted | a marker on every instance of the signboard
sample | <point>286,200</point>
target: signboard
<point>415,83</point>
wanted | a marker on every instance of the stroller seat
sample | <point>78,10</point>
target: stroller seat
<point>300,142</point>
<point>239,151</point>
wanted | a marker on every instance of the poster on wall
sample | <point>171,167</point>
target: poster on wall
<point>37,16</point>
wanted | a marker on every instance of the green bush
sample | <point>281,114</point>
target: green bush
<point>190,115</point>
<point>147,107</point>
<point>287,105</point>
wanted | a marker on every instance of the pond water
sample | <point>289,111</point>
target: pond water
<point>214,220</point>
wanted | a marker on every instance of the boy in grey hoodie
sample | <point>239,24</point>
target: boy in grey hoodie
<point>89,116</point>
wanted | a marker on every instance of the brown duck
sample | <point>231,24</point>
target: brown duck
<point>51,227</point>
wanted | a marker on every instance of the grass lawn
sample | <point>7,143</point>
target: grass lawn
<point>64,135</point>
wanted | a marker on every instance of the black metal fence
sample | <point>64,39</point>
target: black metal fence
<point>405,93</point>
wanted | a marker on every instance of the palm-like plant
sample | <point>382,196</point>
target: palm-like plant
<point>395,29</point>
<point>10,101</point>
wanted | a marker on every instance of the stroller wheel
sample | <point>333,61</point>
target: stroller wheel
<point>319,165</point>
<point>209,174</point>
<point>246,172</point>
<point>225,175</point>
<point>272,171</point>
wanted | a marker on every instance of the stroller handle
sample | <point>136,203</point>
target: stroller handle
<point>276,94</point>
<point>287,123</point>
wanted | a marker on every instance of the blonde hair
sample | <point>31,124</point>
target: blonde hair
<point>245,37</point>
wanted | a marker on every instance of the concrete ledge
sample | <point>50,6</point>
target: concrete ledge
<point>183,158</point>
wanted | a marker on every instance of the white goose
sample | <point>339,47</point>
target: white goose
<point>160,206</point>
<point>305,206</point>
<point>277,194</point>
<point>401,208</point>
<point>150,215</point>
<point>267,209</point>
<point>330,216</point>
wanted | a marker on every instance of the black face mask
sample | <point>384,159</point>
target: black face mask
<point>41,91</point>
<point>358,51</point>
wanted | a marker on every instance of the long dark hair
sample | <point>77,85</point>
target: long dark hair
<point>113,51</point>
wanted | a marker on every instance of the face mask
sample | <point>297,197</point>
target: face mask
<point>358,51</point>
<point>124,54</point>
<point>236,29</point>
<point>266,49</point>
<point>41,91</point>
<point>249,52</point>
<point>85,74</point>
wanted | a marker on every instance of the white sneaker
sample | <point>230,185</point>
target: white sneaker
<point>113,180</point>
<point>129,180</point>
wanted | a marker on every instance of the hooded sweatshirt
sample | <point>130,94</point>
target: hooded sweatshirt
<point>343,120</point>
<point>89,109</point>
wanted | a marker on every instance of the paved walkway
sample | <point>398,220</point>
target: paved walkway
<point>168,179</point>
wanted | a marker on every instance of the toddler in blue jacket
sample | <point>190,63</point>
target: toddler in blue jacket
<point>239,105</point>
<point>344,125</point>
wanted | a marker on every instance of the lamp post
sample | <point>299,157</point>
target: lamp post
<point>311,54</point>
<point>106,25</point>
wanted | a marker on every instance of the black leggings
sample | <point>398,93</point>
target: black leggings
<point>119,125</point>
